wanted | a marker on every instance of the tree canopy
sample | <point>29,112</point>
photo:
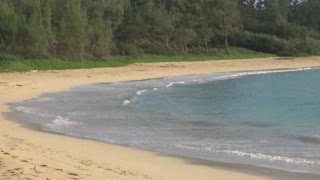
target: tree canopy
<point>76,29</point>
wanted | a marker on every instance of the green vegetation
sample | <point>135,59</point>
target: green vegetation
<point>105,29</point>
<point>15,64</point>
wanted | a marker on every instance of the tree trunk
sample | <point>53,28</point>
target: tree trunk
<point>206,45</point>
<point>225,34</point>
<point>184,46</point>
<point>226,45</point>
<point>168,38</point>
<point>186,49</point>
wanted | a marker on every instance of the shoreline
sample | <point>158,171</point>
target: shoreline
<point>248,169</point>
<point>233,166</point>
<point>63,151</point>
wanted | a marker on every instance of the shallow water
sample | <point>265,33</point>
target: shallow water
<point>263,118</point>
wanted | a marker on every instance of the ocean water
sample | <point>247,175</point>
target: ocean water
<point>262,118</point>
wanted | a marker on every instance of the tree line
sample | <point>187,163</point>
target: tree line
<point>77,29</point>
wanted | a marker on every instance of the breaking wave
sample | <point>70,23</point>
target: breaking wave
<point>140,92</point>
<point>258,156</point>
<point>60,122</point>
<point>125,102</point>
<point>173,83</point>
<point>206,78</point>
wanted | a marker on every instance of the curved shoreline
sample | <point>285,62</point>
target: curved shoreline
<point>40,155</point>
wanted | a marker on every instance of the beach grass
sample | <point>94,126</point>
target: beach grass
<point>16,64</point>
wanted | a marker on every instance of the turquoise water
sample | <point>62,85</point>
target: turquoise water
<point>264,118</point>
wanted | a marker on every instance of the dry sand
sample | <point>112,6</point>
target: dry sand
<point>29,154</point>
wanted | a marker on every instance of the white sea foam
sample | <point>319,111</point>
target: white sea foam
<point>125,102</point>
<point>43,99</point>
<point>30,110</point>
<point>60,122</point>
<point>259,156</point>
<point>173,83</point>
<point>140,92</point>
<point>272,158</point>
<point>24,109</point>
<point>269,71</point>
<point>155,89</point>
<point>224,76</point>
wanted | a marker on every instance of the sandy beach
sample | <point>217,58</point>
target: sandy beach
<point>30,154</point>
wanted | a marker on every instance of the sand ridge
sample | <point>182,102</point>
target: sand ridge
<point>29,154</point>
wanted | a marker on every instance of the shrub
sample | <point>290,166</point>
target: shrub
<point>260,42</point>
<point>129,49</point>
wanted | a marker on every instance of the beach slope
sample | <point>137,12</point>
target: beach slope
<point>30,154</point>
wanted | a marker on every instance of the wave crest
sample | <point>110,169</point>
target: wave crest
<point>139,93</point>
<point>125,102</point>
<point>61,122</point>
<point>173,83</point>
<point>258,156</point>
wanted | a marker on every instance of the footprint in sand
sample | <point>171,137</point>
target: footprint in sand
<point>87,163</point>
<point>59,170</point>
<point>14,157</point>
<point>14,172</point>
<point>106,169</point>
<point>126,173</point>
<point>72,174</point>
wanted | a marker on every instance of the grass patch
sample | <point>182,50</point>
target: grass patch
<point>17,64</point>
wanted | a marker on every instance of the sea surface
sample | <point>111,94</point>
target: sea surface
<point>261,118</point>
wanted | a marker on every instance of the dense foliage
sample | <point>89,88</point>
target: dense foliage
<point>76,29</point>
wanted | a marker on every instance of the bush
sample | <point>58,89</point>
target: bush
<point>281,30</point>
<point>129,49</point>
<point>5,56</point>
<point>260,42</point>
<point>160,49</point>
<point>307,46</point>
<point>272,44</point>
<point>289,49</point>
